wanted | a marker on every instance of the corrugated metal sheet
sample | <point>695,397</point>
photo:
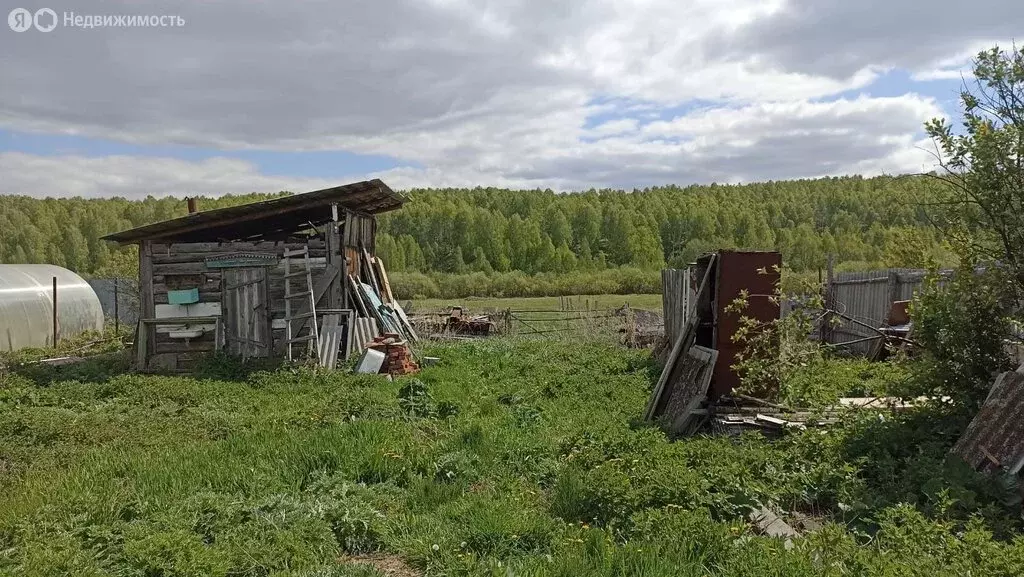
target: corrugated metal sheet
<point>995,438</point>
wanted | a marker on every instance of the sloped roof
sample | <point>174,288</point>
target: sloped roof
<point>267,219</point>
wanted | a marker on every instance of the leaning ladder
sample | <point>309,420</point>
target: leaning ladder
<point>298,269</point>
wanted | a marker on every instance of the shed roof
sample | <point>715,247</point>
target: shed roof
<point>267,219</point>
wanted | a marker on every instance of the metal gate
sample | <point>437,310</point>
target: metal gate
<point>246,313</point>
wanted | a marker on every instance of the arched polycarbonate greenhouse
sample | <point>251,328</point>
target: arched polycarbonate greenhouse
<point>26,305</point>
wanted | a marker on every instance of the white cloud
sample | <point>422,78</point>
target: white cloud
<point>489,92</point>
<point>136,177</point>
<point>757,141</point>
<point>614,127</point>
<point>956,66</point>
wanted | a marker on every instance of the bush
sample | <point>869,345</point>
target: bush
<point>962,326</point>
<point>413,285</point>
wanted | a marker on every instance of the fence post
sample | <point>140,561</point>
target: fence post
<point>685,289</point>
<point>830,298</point>
<point>894,291</point>
<point>55,312</point>
<point>117,312</point>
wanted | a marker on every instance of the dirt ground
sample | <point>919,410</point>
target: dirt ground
<point>386,564</point>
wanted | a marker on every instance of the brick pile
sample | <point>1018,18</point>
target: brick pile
<point>397,356</point>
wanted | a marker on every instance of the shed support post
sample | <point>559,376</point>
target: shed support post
<point>147,308</point>
<point>335,258</point>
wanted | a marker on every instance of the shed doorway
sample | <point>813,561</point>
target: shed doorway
<point>246,313</point>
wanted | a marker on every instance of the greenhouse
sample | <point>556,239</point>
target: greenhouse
<point>26,306</point>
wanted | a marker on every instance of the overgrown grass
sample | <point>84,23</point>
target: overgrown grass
<point>506,458</point>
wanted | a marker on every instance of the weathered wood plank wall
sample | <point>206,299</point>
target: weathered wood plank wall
<point>675,300</point>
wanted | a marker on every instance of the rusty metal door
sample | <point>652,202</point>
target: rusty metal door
<point>246,311</point>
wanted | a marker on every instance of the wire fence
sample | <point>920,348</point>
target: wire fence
<point>551,322</point>
<point>119,298</point>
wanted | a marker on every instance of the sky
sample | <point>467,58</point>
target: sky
<point>236,96</point>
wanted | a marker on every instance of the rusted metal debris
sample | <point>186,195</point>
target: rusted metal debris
<point>461,324</point>
<point>455,323</point>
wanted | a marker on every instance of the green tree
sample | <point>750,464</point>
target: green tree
<point>983,166</point>
<point>480,262</point>
<point>556,225</point>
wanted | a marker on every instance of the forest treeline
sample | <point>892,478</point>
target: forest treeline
<point>539,234</point>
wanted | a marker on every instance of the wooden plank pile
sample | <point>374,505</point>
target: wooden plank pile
<point>372,298</point>
<point>683,385</point>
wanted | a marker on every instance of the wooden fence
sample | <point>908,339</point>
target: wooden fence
<point>866,297</point>
<point>676,294</point>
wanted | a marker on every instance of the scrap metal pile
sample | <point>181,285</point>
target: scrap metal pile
<point>455,323</point>
<point>994,441</point>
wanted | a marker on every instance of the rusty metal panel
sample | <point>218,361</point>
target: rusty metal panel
<point>758,274</point>
<point>995,438</point>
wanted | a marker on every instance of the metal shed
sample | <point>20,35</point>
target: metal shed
<point>255,279</point>
<point>26,305</point>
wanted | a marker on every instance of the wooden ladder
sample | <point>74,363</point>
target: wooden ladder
<point>300,272</point>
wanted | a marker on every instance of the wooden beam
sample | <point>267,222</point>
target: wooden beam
<point>335,259</point>
<point>236,246</point>
<point>147,306</point>
<point>385,282</point>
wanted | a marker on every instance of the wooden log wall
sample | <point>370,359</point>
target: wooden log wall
<point>165,267</point>
<point>183,265</point>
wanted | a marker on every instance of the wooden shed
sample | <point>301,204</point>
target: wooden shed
<point>258,280</point>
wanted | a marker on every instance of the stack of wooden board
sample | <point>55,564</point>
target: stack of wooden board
<point>372,298</point>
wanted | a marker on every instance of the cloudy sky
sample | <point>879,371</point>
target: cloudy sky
<point>250,95</point>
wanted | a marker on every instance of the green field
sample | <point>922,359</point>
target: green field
<point>507,458</point>
<point>651,302</point>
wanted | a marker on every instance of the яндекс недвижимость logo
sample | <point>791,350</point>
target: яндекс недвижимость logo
<point>21,19</point>
<point>45,20</point>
